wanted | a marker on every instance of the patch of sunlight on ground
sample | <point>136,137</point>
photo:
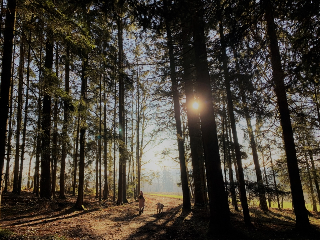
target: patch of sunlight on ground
<point>286,205</point>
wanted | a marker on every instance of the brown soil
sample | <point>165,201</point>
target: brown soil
<point>27,217</point>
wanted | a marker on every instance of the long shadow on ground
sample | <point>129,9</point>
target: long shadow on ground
<point>177,224</point>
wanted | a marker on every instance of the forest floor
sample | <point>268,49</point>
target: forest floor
<point>28,217</point>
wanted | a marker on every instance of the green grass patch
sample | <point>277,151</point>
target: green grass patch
<point>165,195</point>
<point>56,237</point>
<point>5,233</point>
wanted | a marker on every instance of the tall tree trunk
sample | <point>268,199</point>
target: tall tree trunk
<point>83,109</point>
<point>138,164</point>
<point>314,174</point>
<point>176,105</point>
<point>25,122</point>
<point>274,179</point>
<point>266,177</point>
<point>133,179</point>
<point>229,156</point>
<point>55,132</point>
<point>45,182</point>
<point>262,192</point>
<point>242,188</point>
<point>9,146</point>
<point>38,150</point>
<point>75,156</point>
<point>105,140</point>
<point>6,80</point>
<point>1,16</point>
<point>314,203</point>
<point>29,182</point>
<point>55,148</point>
<point>114,140</point>
<point>200,195</point>
<point>19,116</point>
<point>302,221</point>
<point>66,107</point>
<point>218,202</point>
<point>97,171</point>
<point>122,148</point>
<point>100,137</point>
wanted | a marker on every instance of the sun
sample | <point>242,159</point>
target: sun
<point>195,105</point>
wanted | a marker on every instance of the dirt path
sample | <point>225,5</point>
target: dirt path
<point>60,221</point>
<point>28,217</point>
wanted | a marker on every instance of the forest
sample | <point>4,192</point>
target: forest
<point>103,97</point>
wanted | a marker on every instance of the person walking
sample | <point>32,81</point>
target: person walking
<point>141,202</point>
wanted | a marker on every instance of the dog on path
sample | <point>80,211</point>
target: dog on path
<point>159,207</point>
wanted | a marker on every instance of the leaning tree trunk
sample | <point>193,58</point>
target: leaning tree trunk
<point>176,104</point>
<point>242,188</point>
<point>218,201</point>
<point>6,79</point>
<point>302,221</point>
<point>9,146</point>
<point>229,156</point>
<point>261,188</point>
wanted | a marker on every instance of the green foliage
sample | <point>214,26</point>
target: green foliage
<point>5,233</point>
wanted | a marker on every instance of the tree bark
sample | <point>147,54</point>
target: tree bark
<point>314,174</point>
<point>176,105</point>
<point>38,150</point>
<point>75,157</point>
<point>138,164</point>
<point>25,117</point>
<point>274,179</point>
<point>105,140</point>
<point>6,79</point>
<point>45,182</point>
<point>100,137</point>
<point>9,146</point>
<point>55,133</point>
<point>242,188</point>
<point>83,112</point>
<point>19,116</point>
<point>266,178</point>
<point>314,203</point>
<point>200,195</point>
<point>66,107</point>
<point>218,202</point>
<point>302,221</point>
<point>231,180</point>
